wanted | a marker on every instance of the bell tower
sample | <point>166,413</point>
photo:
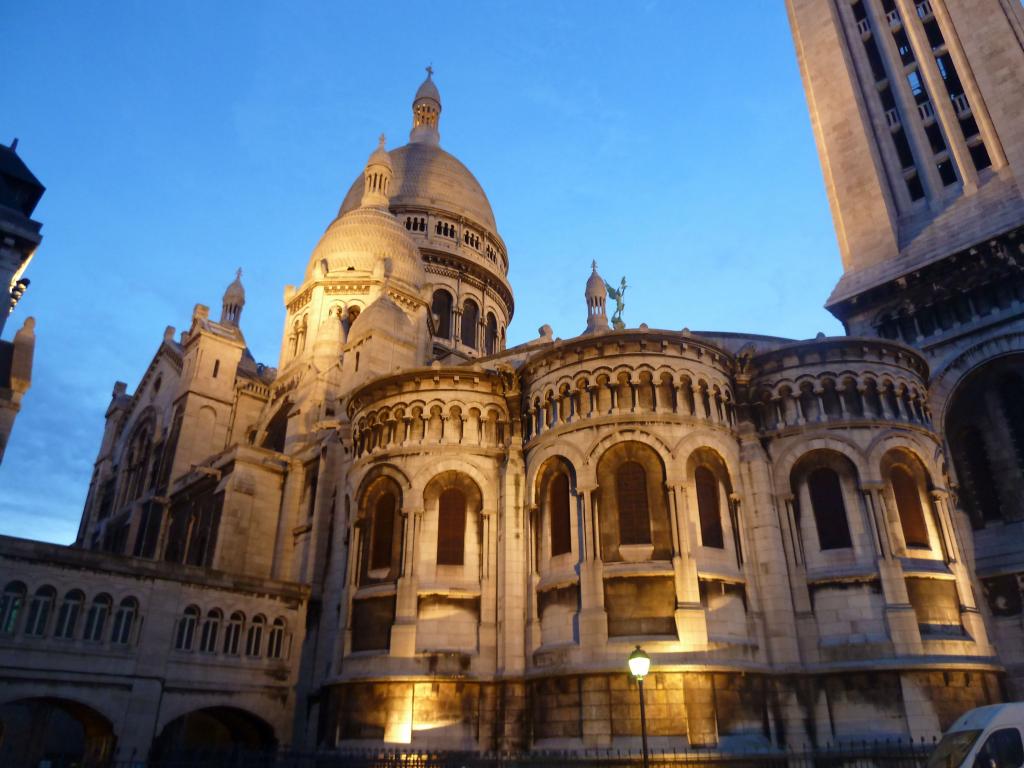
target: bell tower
<point>916,109</point>
<point>915,106</point>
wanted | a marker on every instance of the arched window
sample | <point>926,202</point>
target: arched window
<point>67,618</point>
<point>11,603</point>
<point>124,621</point>
<point>908,504</point>
<point>829,510</point>
<point>96,618</point>
<point>491,334</point>
<point>186,629</point>
<point>254,637</point>
<point>631,494</point>
<point>451,527</point>
<point>383,531</point>
<point>560,518</point>
<point>275,643</point>
<point>39,609</point>
<point>208,634</point>
<point>708,508</point>
<point>470,320</point>
<point>441,308</point>
<point>233,633</point>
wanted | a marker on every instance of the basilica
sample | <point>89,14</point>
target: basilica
<point>409,535</point>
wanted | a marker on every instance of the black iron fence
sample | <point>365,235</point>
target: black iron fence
<point>864,754</point>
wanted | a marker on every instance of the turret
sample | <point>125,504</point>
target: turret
<point>426,113</point>
<point>234,300</point>
<point>596,295</point>
<point>379,177</point>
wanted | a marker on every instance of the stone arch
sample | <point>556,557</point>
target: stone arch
<point>707,473</point>
<point>628,435</point>
<point>553,536</point>
<point>56,729</point>
<point>947,380</point>
<point>823,483</point>
<point>211,730</point>
<point>907,486</point>
<point>928,452</point>
<point>632,502</point>
<point>816,441</point>
<point>542,454</point>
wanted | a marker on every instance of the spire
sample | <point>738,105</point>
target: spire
<point>233,301</point>
<point>596,295</point>
<point>377,177</point>
<point>426,113</point>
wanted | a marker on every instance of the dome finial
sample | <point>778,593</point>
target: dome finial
<point>377,177</point>
<point>596,296</point>
<point>426,112</point>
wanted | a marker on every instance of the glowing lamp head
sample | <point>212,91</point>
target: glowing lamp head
<point>639,663</point>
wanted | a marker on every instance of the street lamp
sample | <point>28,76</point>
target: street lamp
<point>639,666</point>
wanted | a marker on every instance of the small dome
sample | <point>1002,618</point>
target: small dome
<point>235,293</point>
<point>595,285</point>
<point>383,315</point>
<point>359,241</point>
<point>380,155</point>
<point>427,176</point>
<point>428,90</point>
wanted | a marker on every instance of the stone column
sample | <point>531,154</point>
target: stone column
<point>691,620</point>
<point>593,619</point>
<point>900,616</point>
<point>403,631</point>
<point>487,632</point>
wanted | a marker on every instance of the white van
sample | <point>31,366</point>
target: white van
<point>986,737</point>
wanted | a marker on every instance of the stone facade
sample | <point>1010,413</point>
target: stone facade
<point>20,192</point>
<point>410,534</point>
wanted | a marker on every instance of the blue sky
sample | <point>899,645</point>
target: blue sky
<point>669,141</point>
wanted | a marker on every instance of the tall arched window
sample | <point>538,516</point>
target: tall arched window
<point>233,633</point>
<point>39,609</point>
<point>383,531</point>
<point>631,494</point>
<point>275,642</point>
<point>67,618</point>
<point>470,320</point>
<point>491,334</point>
<point>708,508</point>
<point>441,307</point>
<point>908,504</point>
<point>11,603</point>
<point>124,621</point>
<point>96,618</point>
<point>977,480</point>
<point>451,527</point>
<point>254,638</point>
<point>208,634</point>
<point>560,518</point>
<point>186,629</point>
<point>829,510</point>
<point>1011,398</point>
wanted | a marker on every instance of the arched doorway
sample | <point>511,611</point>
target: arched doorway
<point>985,430</point>
<point>214,732</point>
<point>54,731</point>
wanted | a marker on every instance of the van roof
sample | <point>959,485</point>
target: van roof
<point>1011,713</point>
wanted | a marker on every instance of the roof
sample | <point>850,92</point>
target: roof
<point>427,176</point>
<point>19,188</point>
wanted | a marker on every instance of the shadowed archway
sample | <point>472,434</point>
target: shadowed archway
<point>211,733</point>
<point>54,731</point>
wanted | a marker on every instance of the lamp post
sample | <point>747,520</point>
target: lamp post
<point>639,666</point>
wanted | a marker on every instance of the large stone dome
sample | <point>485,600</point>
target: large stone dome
<point>427,176</point>
<point>359,242</point>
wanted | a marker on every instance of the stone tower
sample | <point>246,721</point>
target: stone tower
<point>916,110</point>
